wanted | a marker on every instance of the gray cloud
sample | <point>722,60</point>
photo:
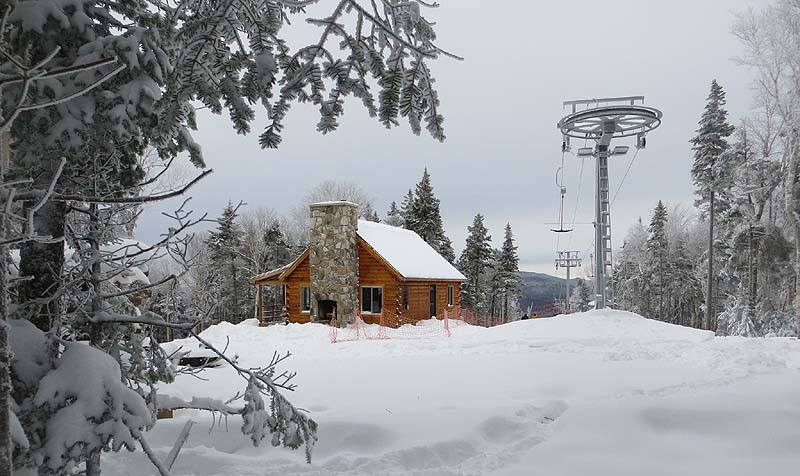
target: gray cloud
<point>501,106</point>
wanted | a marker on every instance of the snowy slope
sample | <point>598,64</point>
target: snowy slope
<point>597,393</point>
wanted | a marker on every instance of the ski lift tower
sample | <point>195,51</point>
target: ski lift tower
<point>603,120</point>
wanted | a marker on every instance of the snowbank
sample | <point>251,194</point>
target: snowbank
<point>600,393</point>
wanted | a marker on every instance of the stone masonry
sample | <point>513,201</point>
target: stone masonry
<point>333,256</point>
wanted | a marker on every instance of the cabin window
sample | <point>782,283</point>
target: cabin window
<point>371,300</point>
<point>305,299</point>
<point>451,296</point>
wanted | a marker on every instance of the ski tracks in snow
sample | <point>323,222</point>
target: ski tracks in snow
<point>495,442</point>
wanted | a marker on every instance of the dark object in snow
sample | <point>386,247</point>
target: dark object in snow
<point>524,317</point>
<point>199,361</point>
<point>165,414</point>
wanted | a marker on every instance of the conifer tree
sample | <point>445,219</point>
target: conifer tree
<point>685,290</point>
<point>446,249</point>
<point>394,216</point>
<point>709,145</point>
<point>405,209</point>
<point>426,220</point>
<point>582,296</point>
<point>658,257</point>
<point>508,269</point>
<point>754,179</point>
<point>224,244</point>
<point>424,211</point>
<point>630,279</point>
<point>475,260</point>
<point>368,213</point>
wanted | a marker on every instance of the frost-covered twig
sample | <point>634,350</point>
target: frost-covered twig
<point>176,448</point>
<point>301,431</point>
<point>168,402</point>
<point>114,318</point>
<point>131,200</point>
<point>162,470</point>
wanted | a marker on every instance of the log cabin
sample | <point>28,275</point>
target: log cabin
<point>385,274</point>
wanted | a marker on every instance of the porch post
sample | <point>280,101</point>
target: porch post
<point>260,305</point>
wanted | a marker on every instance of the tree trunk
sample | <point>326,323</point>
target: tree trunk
<point>707,323</point>
<point>5,344</point>
<point>45,262</point>
<point>96,281</point>
<point>753,275</point>
<point>93,464</point>
<point>661,291</point>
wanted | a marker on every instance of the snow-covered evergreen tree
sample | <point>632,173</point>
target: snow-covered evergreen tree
<point>709,171</point>
<point>684,288</point>
<point>475,262</point>
<point>508,269</point>
<point>743,229</point>
<point>394,216</point>
<point>368,213</point>
<point>425,219</point>
<point>582,296</point>
<point>405,209</point>
<point>631,283</point>
<point>225,246</point>
<point>658,262</point>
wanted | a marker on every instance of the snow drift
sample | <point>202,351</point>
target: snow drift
<point>603,392</point>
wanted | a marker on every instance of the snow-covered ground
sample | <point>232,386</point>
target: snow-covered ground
<point>598,393</point>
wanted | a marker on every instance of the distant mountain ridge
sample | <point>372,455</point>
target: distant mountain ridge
<point>541,289</point>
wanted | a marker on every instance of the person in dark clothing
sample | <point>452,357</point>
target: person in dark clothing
<point>524,317</point>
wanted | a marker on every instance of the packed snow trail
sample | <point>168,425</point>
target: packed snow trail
<point>604,392</point>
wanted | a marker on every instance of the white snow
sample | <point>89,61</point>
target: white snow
<point>333,202</point>
<point>603,392</point>
<point>406,252</point>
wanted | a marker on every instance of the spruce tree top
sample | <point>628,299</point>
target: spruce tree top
<point>657,243</point>
<point>509,260</point>
<point>711,142</point>
<point>478,249</point>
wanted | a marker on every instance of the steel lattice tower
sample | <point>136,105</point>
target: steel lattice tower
<point>601,121</point>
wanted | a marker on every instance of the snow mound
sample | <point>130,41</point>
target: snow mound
<point>501,401</point>
<point>605,324</point>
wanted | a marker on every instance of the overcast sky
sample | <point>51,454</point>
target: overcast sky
<point>501,106</point>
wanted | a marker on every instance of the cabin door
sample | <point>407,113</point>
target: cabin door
<point>432,301</point>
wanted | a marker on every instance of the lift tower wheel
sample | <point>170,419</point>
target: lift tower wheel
<point>602,121</point>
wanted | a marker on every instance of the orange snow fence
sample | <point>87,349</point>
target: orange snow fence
<point>396,329</point>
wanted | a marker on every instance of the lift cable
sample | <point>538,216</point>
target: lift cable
<point>577,199</point>
<point>624,177</point>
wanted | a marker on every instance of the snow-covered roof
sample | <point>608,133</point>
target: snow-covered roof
<point>334,202</point>
<point>273,273</point>
<point>406,252</point>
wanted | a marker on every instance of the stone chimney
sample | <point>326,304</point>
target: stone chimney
<point>333,256</point>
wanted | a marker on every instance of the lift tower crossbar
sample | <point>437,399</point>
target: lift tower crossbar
<point>603,120</point>
<point>568,260</point>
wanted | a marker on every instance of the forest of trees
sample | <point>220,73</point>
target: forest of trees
<point>731,265</point>
<point>492,286</point>
<point>245,243</point>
